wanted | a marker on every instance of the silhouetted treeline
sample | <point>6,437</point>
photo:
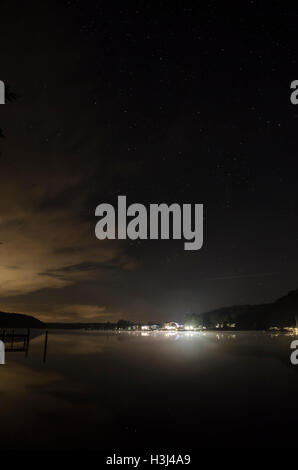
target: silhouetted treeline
<point>120,324</point>
<point>281,313</point>
<point>18,320</point>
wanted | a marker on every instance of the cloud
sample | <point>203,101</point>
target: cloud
<point>55,312</point>
<point>56,167</point>
<point>80,312</point>
<point>49,249</point>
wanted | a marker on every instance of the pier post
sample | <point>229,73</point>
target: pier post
<point>45,347</point>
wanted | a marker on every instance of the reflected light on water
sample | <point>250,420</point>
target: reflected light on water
<point>91,391</point>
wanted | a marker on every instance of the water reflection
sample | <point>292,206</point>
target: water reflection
<point>204,388</point>
<point>19,340</point>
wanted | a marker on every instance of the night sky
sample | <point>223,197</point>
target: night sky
<point>160,102</point>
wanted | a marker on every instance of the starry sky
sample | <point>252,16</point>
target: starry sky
<point>161,102</point>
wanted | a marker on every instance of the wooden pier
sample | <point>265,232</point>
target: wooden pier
<point>15,342</point>
<point>19,342</point>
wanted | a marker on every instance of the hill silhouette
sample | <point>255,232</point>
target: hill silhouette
<point>19,320</point>
<point>281,313</point>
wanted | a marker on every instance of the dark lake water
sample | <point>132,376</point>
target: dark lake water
<point>101,390</point>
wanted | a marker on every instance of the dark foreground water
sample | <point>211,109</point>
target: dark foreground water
<point>114,391</point>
